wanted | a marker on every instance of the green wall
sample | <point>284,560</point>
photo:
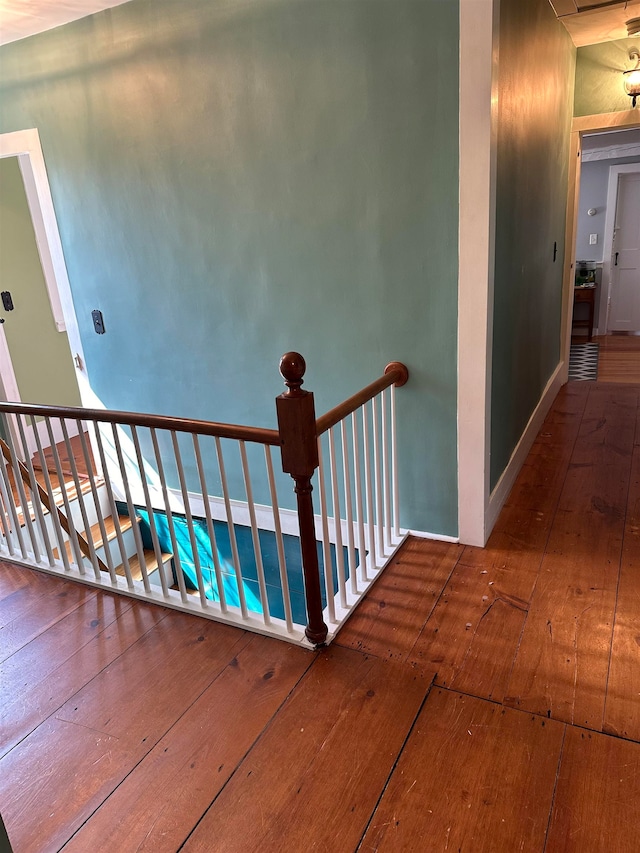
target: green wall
<point>237,179</point>
<point>39,353</point>
<point>599,70</point>
<point>536,71</point>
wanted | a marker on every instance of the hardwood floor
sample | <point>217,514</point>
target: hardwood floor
<point>478,700</point>
<point>619,359</point>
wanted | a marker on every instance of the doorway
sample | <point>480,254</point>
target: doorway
<point>584,129</point>
<point>36,352</point>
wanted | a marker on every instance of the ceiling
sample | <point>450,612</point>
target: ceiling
<point>595,21</point>
<point>21,18</point>
<point>587,21</point>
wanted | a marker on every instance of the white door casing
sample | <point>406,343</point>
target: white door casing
<point>25,145</point>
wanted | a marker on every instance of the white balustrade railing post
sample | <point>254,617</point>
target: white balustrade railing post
<point>235,555</point>
<point>210,527</point>
<point>348,509</point>
<point>342,585</point>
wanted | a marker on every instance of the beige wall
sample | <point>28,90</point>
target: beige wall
<point>40,354</point>
<point>599,86</point>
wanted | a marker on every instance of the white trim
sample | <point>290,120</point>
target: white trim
<point>508,478</point>
<point>607,249</point>
<point>569,265</point>
<point>476,246</point>
<point>264,517</point>
<point>611,152</point>
<point>437,537</point>
<point>25,145</point>
<point>9,388</point>
<point>7,374</point>
<point>289,522</point>
<point>581,125</point>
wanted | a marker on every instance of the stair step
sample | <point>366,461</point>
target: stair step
<point>72,495</point>
<point>124,523</point>
<point>150,562</point>
<point>95,534</point>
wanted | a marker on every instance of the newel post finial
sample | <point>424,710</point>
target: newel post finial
<point>292,369</point>
<point>299,449</point>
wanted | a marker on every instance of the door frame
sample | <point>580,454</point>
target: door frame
<point>581,125</point>
<point>607,250</point>
<point>25,145</point>
<point>478,122</point>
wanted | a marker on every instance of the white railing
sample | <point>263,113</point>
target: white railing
<point>358,484</point>
<point>192,514</point>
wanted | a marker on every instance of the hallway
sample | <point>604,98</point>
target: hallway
<point>478,699</point>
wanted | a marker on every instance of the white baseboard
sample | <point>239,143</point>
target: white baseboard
<point>505,483</point>
<point>288,518</point>
<point>438,537</point>
<point>240,514</point>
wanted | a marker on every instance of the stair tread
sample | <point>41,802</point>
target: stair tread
<point>124,522</point>
<point>72,495</point>
<point>150,562</point>
<point>95,534</point>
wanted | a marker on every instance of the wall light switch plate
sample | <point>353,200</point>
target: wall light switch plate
<point>98,322</point>
<point>593,239</point>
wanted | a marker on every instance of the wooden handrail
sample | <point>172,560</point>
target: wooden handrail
<point>395,373</point>
<point>44,499</point>
<point>221,430</point>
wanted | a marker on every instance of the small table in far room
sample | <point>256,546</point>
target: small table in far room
<point>581,295</point>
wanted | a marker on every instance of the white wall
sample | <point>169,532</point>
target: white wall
<point>593,194</point>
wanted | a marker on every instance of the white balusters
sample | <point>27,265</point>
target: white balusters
<point>73,533</point>
<point>394,465</point>
<point>351,549</point>
<point>360,518</point>
<point>326,541</point>
<point>81,502</point>
<point>282,561</point>
<point>210,527</point>
<point>169,514</point>
<point>123,563</point>
<point>337,519</point>
<point>362,512</point>
<point>231,552</point>
<point>157,550</point>
<point>255,538</point>
<point>235,557</point>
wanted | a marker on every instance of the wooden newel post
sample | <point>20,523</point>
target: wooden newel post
<point>299,446</point>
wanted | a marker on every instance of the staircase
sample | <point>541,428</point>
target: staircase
<point>84,502</point>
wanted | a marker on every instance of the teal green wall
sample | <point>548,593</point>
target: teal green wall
<point>536,72</point>
<point>236,179</point>
<point>599,68</point>
<point>39,352</point>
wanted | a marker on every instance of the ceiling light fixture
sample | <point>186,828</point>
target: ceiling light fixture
<point>632,77</point>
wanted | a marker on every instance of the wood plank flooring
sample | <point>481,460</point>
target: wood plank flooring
<point>478,700</point>
<point>619,358</point>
